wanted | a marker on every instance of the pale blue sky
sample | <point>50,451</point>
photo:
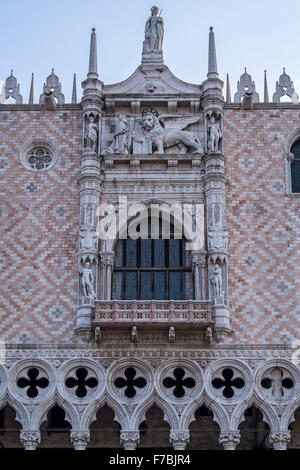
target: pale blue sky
<point>37,35</point>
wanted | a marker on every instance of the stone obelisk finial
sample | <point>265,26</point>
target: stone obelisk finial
<point>31,90</point>
<point>266,92</point>
<point>74,91</point>
<point>212,56</point>
<point>228,92</point>
<point>92,73</point>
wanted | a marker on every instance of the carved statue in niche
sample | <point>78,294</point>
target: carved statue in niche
<point>91,134</point>
<point>87,281</point>
<point>122,139</point>
<point>216,280</point>
<point>153,134</point>
<point>154,30</point>
<point>214,132</point>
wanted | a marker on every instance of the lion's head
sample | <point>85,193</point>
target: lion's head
<point>150,123</point>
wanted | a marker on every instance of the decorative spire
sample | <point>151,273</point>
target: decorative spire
<point>31,90</point>
<point>266,92</point>
<point>53,86</point>
<point>228,92</point>
<point>212,56</point>
<point>12,89</point>
<point>285,86</point>
<point>74,92</point>
<point>93,56</point>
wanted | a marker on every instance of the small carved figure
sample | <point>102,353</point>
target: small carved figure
<point>87,281</point>
<point>208,335</point>
<point>216,280</point>
<point>225,239</point>
<point>121,141</point>
<point>154,30</point>
<point>172,334</point>
<point>214,135</point>
<point>91,134</point>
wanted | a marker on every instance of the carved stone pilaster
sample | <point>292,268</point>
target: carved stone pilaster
<point>129,439</point>
<point>229,439</point>
<point>198,263</point>
<point>280,439</point>
<point>80,439</point>
<point>107,263</point>
<point>179,439</point>
<point>90,181</point>
<point>30,439</point>
<point>217,242</point>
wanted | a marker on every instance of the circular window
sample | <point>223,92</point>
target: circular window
<point>39,158</point>
<point>38,155</point>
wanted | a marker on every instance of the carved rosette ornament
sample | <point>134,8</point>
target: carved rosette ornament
<point>179,439</point>
<point>80,439</point>
<point>280,439</point>
<point>229,439</point>
<point>30,439</point>
<point>129,439</point>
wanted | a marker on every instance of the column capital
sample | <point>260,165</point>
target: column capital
<point>30,439</point>
<point>107,257</point>
<point>198,259</point>
<point>129,439</point>
<point>80,438</point>
<point>280,439</point>
<point>229,439</point>
<point>179,438</point>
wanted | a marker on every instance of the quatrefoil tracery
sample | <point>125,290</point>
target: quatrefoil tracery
<point>276,383</point>
<point>130,382</point>
<point>81,383</point>
<point>228,383</point>
<point>32,382</point>
<point>179,383</point>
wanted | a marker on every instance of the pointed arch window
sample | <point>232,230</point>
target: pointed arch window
<point>295,167</point>
<point>152,269</point>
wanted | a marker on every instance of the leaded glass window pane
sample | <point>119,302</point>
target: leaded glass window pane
<point>174,285</point>
<point>158,269</point>
<point>131,285</point>
<point>295,172</point>
<point>146,285</point>
<point>131,259</point>
<point>146,253</point>
<point>174,253</point>
<point>295,167</point>
<point>159,253</point>
<point>159,285</point>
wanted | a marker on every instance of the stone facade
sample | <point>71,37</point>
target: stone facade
<point>81,366</point>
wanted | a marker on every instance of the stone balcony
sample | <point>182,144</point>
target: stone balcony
<point>146,313</point>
